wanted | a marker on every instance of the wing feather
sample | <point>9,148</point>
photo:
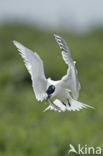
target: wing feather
<point>34,66</point>
<point>70,80</point>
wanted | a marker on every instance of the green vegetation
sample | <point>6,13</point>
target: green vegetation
<point>25,130</point>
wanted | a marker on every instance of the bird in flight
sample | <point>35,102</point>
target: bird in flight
<point>65,91</point>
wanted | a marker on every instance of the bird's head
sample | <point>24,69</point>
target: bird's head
<point>50,91</point>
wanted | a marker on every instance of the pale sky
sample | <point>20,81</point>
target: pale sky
<point>78,14</point>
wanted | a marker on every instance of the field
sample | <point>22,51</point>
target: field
<point>25,130</point>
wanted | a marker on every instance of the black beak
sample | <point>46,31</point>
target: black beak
<point>51,103</point>
<point>48,97</point>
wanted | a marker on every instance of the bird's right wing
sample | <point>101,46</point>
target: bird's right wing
<point>35,67</point>
<point>70,80</point>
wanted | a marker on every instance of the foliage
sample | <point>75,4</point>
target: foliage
<point>25,130</point>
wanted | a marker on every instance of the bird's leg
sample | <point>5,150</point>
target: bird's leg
<point>52,104</point>
<point>68,102</point>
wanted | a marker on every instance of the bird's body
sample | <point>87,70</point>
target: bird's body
<point>60,91</point>
<point>45,89</point>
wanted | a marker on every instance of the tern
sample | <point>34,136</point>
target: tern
<point>65,91</point>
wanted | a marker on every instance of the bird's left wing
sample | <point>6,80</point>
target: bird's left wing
<point>35,67</point>
<point>70,80</point>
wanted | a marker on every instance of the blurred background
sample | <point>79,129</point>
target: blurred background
<point>25,130</point>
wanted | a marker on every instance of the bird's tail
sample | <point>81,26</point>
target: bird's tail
<point>74,106</point>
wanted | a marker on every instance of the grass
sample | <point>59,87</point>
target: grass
<point>25,130</point>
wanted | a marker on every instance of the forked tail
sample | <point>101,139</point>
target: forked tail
<point>74,106</point>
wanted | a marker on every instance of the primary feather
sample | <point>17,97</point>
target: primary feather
<point>34,65</point>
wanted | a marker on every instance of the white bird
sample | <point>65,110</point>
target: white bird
<point>45,89</point>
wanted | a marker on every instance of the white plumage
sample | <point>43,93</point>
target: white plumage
<point>70,78</point>
<point>35,67</point>
<point>45,89</point>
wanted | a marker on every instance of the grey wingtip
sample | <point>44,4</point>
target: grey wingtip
<point>88,106</point>
<point>14,42</point>
<point>18,44</point>
<point>56,35</point>
<point>92,107</point>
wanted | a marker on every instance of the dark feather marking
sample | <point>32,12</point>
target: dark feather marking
<point>63,103</point>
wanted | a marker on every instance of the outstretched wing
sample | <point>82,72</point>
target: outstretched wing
<point>70,80</point>
<point>34,66</point>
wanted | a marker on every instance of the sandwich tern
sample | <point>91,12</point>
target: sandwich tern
<point>65,91</point>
